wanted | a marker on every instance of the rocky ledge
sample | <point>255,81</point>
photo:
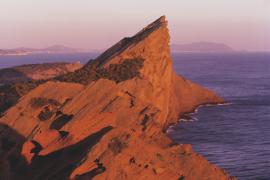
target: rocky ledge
<point>107,120</point>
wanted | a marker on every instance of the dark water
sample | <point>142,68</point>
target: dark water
<point>9,61</point>
<point>236,137</point>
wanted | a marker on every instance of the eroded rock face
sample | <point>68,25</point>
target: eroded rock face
<point>112,127</point>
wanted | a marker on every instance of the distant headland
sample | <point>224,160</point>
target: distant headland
<point>55,49</point>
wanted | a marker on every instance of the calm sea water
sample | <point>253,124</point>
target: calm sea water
<point>236,136</point>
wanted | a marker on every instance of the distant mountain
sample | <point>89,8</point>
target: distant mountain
<point>201,47</point>
<point>12,52</point>
<point>49,50</point>
<point>59,48</point>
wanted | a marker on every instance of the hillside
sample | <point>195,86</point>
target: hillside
<point>108,119</point>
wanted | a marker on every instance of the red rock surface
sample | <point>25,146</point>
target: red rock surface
<point>108,129</point>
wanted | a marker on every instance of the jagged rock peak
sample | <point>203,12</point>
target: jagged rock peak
<point>160,22</point>
<point>148,50</point>
<point>128,41</point>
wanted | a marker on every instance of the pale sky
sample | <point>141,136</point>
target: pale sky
<point>97,24</point>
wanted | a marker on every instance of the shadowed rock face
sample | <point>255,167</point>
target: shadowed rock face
<point>60,164</point>
<point>110,117</point>
<point>12,162</point>
<point>55,165</point>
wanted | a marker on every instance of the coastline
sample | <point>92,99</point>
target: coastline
<point>188,118</point>
<point>188,115</point>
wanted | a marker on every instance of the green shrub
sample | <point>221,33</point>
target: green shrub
<point>11,93</point>
<point>115,72</point>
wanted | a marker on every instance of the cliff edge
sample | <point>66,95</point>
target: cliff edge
<point>107,119</point>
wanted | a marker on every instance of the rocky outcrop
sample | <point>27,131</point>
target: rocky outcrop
<point>107,120</point>
<point>36,71</point>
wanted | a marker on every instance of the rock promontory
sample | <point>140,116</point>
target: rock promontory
<point>107,120</point>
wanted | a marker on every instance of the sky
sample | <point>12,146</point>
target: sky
<point>98,24</point>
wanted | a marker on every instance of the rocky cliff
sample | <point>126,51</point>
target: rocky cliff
<point>107,119</point>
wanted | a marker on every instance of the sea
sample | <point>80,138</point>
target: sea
<point>235,136</point>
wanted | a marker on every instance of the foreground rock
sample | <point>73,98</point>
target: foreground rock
<point>107,120</point>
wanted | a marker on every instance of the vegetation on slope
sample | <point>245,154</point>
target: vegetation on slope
<point>10,93</point>
<point>115,72</point>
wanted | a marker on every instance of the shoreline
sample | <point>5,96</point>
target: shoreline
<point>189,114</point>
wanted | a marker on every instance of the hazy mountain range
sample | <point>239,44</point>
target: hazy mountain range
<point>49,50</point>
